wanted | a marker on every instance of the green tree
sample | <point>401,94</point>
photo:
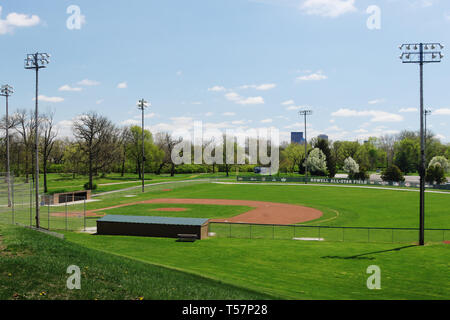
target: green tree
<point>324,146</point>
<point>293,156</point>
<point>406,156</point>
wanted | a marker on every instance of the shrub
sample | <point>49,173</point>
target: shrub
<point>435,174</point>
<point>361,175</point>
<point>316,162</point>
<point>86,186</point>
<point>393,174</point>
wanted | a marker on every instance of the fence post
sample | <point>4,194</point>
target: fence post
<point>230,230</point>
<point>48,211</point>
<point>12,203</point>
<point>66,212</point>
<point>392,235</point>
<point>250,232</point>
<point>343,234</point>
<point>368,234</point>
<point>84,215</point>
<point>273,232</point>
<point>320,232</point>
<point>31,203</point>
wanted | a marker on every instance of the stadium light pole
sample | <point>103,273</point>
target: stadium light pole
<point>306,113</point>
<point>421,53</point>
<point>142,105</point>
<point>37,61</point>
<point>6,91</point>
<point>426,113</point>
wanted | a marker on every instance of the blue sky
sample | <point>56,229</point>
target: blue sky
<point>231,63</point>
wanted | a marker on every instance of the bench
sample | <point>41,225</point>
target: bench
<point>187,237</point>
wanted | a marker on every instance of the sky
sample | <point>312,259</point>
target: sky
<point>232,64</point>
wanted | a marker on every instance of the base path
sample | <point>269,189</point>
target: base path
<point>262,212</point>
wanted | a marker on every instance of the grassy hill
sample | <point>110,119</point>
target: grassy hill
<point>33,266</point>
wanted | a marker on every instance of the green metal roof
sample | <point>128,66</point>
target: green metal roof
<point>154,220</point>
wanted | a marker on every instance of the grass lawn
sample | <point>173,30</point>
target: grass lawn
<point>296,270</point>
<point>33,266</point>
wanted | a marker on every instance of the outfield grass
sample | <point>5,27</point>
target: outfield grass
<point>33,266</point>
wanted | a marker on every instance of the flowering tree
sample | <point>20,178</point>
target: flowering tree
<point>351,166</point>
<point>317,162</point>
<point>440,161</point>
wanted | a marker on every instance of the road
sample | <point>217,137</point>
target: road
<point>377,177</point>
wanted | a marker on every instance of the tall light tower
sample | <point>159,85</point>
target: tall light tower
<point>426,113</point>
<point>306,113</point>
<point>421,53</point>
<point>6,91</point>
<point>37,61</point>
<point>142,105</point>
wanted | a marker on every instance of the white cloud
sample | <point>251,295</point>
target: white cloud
<point>49,99</point>
<point>209,114</point>
<point>377,116</point>
<point>288,103</point>
<point>407,110</point>
<point>100,101</point>
<point>122,85</point>
<point>233,96</point>
<point>69,88</point>
<point>295,108</point>
<point>328,8</point>
<point>17,20</point>
<point>179,73</point>
<point>442,112</point>
<point>376,101</point>
<point>130,122</point>
<point>313,77</point>
<point>261,87</point>
<point>88,83</point>
<point>267,121</point>
<point>217,89</point>
<point>228,114</point>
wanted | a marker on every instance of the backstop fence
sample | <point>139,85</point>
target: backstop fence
<point>324,233</point>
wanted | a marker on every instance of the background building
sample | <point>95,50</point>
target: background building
<point>297,137</point>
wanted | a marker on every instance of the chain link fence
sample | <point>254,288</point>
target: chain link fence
<point>324,233</point>
<point>72,213</point>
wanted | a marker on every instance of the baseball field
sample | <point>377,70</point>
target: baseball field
<point>266,242</point>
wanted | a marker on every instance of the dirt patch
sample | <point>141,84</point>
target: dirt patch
<point>170,209</point>
<point>262,212</point>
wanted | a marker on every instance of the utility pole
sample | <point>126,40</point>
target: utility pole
<point>35,62</point>
<point>6,91</point>
<point>306,113</point>
<point>421,53</point>
<point>142,105</point>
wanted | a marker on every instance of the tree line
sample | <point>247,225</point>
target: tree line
<point>99,147</point>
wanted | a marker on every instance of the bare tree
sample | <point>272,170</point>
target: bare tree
<point>98,138</point>
<point>24,127</point>
<point>167,143</point>
<point>47,143</point>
